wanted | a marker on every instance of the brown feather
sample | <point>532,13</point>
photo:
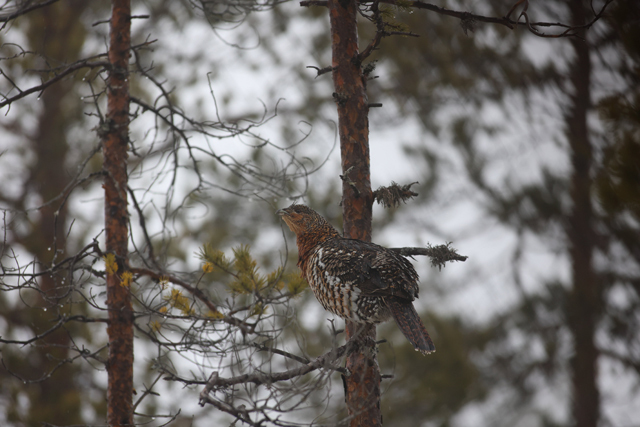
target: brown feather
<point>411,326</point>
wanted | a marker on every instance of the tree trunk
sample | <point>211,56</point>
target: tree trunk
<point>120,330</point>
<point>53,32</point>
<point>362,387</point>
<point>584,298</point>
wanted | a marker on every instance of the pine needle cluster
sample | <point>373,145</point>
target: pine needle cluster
<point>245,275</point>
<point>252,292</point>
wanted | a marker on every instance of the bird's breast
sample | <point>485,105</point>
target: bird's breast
<point>337,290</point>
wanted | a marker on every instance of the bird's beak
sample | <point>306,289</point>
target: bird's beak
<point>281,212</point>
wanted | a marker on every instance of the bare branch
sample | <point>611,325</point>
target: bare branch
<point>439,255</point>
<point>69,70</point>
<point>37,337</point>
<point>263,347</point>
<point>245,327</point>
<point>260,378</point>
<point>321,71</point>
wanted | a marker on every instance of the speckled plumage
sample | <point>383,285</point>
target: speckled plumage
<point>354,279</point>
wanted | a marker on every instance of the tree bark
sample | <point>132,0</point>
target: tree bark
<point>584,299</point>
<point>115,143</point>
<point>362,387</point>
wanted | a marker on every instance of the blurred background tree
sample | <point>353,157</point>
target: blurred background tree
<point>35,172</point>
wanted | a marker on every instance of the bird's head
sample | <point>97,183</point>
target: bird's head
<point>303,220</point>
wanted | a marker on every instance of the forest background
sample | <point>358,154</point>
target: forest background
<point>524,150</point>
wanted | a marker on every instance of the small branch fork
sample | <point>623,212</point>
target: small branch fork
<point>383,29</point>
<point>468,19</point>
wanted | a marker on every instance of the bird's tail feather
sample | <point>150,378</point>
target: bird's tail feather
<point>411,326</point>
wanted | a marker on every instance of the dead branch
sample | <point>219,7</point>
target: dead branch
<point>261,378</point>
<point>394,194</point>
<point>376,18</point>
<point>297,358</point>
<point>321,71</point>
<point>245,327</point>
<point>439,255</point>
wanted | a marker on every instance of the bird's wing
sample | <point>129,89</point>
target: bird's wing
<point>375,270</point>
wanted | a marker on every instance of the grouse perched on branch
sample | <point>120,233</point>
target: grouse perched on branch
<point>354,279</point>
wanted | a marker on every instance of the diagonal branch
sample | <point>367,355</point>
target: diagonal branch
<point>69,70</point>
<point>37,337</point>
<point>197,293</point>
<point>262,378</point>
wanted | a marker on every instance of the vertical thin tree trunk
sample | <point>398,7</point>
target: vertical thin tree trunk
<point>120,330</point>
<point>584,299</point>
<point>362,387</point>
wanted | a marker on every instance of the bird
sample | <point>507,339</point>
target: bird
<point>356,280</point>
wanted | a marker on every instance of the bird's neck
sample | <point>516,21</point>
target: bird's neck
<point>307,242</point>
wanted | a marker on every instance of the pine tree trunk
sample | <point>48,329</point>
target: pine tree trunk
<point>115,143</point>
<point>584,299</point>
<point>362,387</point>
<point>54,33</point>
